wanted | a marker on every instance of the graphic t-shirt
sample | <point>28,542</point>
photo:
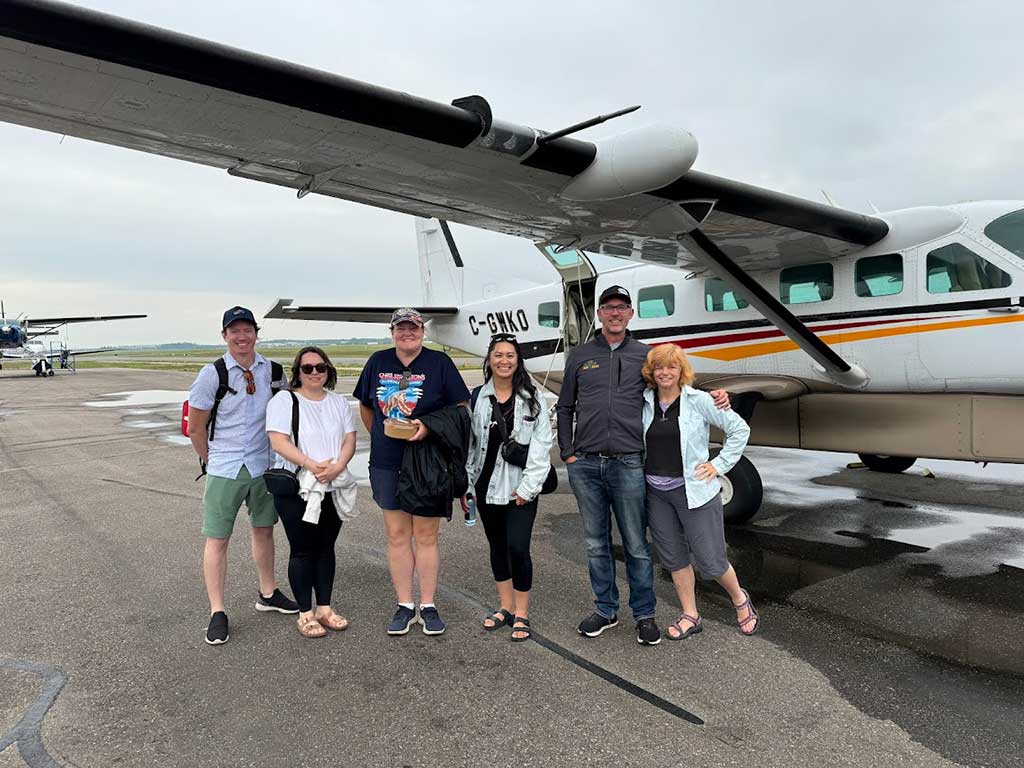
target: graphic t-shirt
<point>394,390</point>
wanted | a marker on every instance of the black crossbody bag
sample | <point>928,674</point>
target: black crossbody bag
<point>281,481</point>
<point>516,453</point>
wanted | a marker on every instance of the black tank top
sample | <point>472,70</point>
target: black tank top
<point>664,455</point>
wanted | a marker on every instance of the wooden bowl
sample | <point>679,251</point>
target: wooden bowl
<point>400,429</point>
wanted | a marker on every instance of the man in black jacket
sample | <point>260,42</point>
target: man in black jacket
<point>600,436</point>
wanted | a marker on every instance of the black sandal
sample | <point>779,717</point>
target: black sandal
<point>525,628</point>
<point>504,621</point>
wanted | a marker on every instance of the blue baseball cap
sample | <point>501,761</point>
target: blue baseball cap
<point>239,313</point>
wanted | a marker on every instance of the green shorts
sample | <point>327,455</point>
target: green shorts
<point>223,498</point>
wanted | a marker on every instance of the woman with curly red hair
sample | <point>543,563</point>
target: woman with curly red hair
<point>684,503</point>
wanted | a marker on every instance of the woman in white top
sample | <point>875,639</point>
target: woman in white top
<point>327,441</point>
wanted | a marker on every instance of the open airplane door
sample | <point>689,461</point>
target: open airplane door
<point>578,277</point>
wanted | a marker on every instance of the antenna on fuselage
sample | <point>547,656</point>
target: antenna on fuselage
<point>828,199</point>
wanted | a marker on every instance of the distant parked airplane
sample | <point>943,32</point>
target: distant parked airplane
<point>19,340</point>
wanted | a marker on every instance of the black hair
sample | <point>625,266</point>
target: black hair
<point>521,382</point>
<point>332,373</point>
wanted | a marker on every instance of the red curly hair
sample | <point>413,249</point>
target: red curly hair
<point>664,356</point>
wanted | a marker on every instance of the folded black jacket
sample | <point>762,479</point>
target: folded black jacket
<point>433,470</point>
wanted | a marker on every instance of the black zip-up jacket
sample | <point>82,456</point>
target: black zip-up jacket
<point>603,388</point>
<point>433,471</point>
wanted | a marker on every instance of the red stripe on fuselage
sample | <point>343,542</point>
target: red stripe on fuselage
<point>706,341</point>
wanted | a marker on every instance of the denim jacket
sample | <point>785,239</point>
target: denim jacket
<point>696,412</point>
<point>527,430</point>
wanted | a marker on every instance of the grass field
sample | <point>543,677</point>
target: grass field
<point>349,358</point>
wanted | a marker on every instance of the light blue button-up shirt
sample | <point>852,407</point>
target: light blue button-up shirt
<point>696,412</point>
<point>241,433</point>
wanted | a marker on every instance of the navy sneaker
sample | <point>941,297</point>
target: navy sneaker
<point>595,624</point>
<point>402,620</point>
<point>276,602</point>
<point>217,631</point>
<point>431,620</point>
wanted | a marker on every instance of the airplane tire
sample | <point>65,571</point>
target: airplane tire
<point>890,464</point>
<point>50,372</point>
<point>742,492</point>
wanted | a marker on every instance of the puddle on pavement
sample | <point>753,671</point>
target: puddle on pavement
<point>141,397</point>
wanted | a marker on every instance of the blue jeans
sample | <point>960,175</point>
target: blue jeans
<point>606,486</point>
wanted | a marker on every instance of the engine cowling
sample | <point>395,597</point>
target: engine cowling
<point>633,162</point>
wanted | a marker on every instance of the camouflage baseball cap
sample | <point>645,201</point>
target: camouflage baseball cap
<point>406,315</point>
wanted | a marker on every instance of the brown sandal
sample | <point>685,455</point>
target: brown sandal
<point>310,627</point>
<point>333,621</point>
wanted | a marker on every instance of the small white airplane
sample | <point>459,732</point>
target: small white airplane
<point>19,340</point>
<point>894,336</point>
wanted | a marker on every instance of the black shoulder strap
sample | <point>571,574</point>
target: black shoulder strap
<point>295,419</point>
<point>277,382</point>
<point>222,389</point>
<point>473,397</point>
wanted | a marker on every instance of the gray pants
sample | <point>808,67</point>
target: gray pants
<point>683,536</point>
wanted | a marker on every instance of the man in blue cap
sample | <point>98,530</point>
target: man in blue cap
<point>228,429</point>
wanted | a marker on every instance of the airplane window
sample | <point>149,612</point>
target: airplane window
<point>720,298</point>
<point>549,314</point>
<point>954,268</point>
<point>879,275</point>
<point>657,301</point>
<point>806,284</point>
<point>1008,231</point>
<point>564,259</point>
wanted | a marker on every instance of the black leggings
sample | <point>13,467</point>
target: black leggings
<point>311,562</point>
<point>508,530</point>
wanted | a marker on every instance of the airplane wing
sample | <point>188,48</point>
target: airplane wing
<point>282,311</point>
<point>68,320</point>
<point>95,76</point>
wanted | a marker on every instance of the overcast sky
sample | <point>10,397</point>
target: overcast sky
<point>902,104</point>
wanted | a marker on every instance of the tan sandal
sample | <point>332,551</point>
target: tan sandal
<point>333,621</point>
<point>310,627</point>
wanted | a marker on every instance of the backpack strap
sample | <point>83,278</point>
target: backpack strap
<point>474,396</point>
<point>222,390</point>
<point>277,379</point>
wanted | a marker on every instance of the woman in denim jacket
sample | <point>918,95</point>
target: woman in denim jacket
<point>506,495</point>
<point>684,503</point>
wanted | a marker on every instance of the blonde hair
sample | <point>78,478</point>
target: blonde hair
<point>664,356</point>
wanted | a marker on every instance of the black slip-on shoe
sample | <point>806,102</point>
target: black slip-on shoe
<point>217,630</point>
<point>276,602</point>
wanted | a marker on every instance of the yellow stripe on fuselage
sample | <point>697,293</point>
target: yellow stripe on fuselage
<point>741,351</point>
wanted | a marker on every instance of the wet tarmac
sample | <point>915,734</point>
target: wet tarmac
<point>892,609</point>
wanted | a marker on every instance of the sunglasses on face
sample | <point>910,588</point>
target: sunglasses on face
<point>614,307</point>
<point>308,368</point>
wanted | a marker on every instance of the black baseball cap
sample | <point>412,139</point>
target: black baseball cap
<point>238,313</point>
<point>615,292</point>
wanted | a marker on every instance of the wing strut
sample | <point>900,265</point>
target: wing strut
<point>830,363</point>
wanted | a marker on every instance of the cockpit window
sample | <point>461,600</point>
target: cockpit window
<point>1008,231</point>
<point>954,268</point>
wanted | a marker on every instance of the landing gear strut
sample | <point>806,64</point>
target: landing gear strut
<point>890,464</point>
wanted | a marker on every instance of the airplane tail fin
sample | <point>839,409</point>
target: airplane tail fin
<point>441,268</point>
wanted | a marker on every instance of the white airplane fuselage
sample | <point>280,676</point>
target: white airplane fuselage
<point>932,314</point>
